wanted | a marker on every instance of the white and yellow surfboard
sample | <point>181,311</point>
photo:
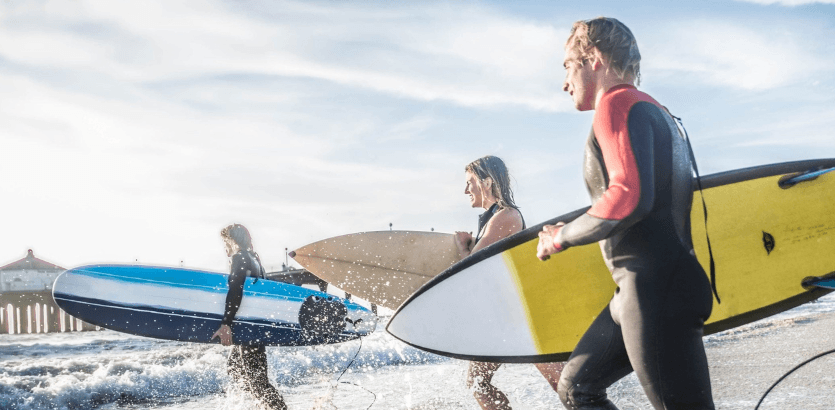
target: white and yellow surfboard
<point>502,304</point>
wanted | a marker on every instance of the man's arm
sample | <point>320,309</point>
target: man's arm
<point>626,140</point>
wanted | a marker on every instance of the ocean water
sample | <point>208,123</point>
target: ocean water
<point>109,370</point>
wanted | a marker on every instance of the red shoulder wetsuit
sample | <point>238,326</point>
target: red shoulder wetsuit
<point>638,174</point>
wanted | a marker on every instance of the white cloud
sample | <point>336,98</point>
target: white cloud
<point>790,3</point>
<point>794,130</point>
<point>465,55</point>
<point>726,54</point>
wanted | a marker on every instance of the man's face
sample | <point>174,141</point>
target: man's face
<point>579,80</point>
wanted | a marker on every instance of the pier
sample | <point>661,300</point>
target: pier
<point>26,304</point>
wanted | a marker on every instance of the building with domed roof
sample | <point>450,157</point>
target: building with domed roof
<point>29,274</point>
<point>26,304</point>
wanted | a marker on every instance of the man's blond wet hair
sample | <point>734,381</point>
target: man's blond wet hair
<point>614,41</point>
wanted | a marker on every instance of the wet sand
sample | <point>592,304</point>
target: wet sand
<point>745,362</point>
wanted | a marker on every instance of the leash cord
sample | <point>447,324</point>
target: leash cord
<point>354,384</point>
<point>790,372</point>
<point>695,167</point>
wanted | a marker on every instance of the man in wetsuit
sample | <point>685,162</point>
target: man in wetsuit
<point>638,173</point>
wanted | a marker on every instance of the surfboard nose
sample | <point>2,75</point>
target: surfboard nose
<point>476,312</point>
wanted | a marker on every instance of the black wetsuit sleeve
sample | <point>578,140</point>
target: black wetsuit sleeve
<point>237,278</point>
<point>626,147</point>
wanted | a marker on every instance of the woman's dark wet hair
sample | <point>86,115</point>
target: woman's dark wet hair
<point>494,168</point>
<point>238,234</point>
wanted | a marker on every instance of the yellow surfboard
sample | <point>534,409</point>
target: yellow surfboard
<point>502,304</point>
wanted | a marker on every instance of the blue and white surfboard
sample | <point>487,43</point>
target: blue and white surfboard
<point>182,304</point>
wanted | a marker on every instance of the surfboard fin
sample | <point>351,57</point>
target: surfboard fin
<point>826,282</point>
<point>790,180</point>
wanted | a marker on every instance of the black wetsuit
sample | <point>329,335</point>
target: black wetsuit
<point>484,218</point>
<point>638,173</point>
<point>247,365</point>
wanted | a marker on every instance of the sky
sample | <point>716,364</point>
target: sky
<point>133,132</point>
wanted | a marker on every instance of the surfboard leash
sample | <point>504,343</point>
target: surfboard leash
<point>704,206</point>
<point>790,372</point>
<point>354,384</point>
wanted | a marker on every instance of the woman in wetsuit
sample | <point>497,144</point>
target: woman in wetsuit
<point>638,173</point>
<point>488,186</point>
<point>247,365</point>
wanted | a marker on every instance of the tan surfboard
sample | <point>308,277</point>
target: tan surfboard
<point>382,267</point>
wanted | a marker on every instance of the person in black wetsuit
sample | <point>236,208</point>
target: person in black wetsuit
<point>247,365</point>
<point>638,173</point>
<point>488,186</point>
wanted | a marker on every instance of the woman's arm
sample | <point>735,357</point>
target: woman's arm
<point>504,223</point>
<point>237,278</point>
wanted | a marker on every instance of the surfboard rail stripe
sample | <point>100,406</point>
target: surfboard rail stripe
<point>218,282</point>
<point>725,316</point>
<point>169,312</point>
<point>168,283</point>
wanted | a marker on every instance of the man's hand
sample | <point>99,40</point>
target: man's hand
<point>546,246</point>
<point>225,335</point>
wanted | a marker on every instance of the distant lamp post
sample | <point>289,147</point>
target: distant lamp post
<point>390,225</point>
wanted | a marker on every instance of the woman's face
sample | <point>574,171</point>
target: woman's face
<point>231,246</point>
<point>474,189</point>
